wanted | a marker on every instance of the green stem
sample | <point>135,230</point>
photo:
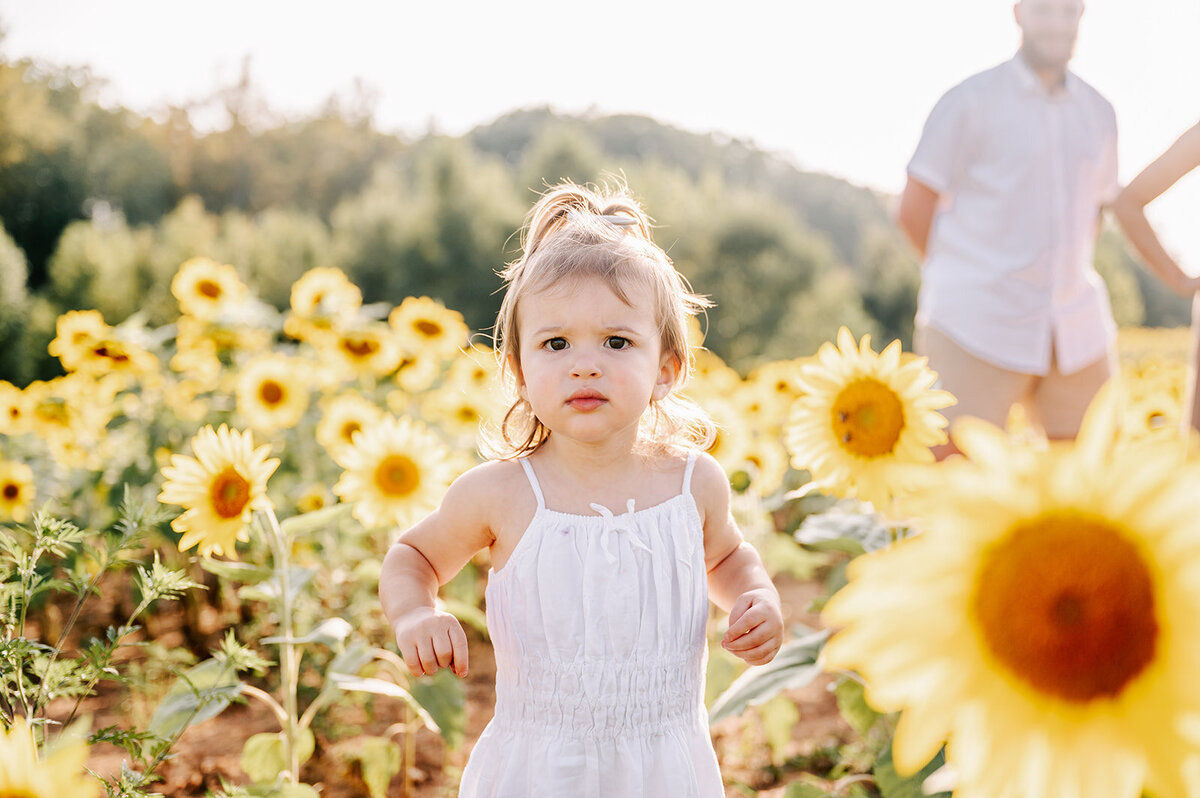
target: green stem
<point>288,660</point>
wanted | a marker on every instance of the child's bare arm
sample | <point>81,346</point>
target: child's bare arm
<point>425,557</point>
<point>737,580</point>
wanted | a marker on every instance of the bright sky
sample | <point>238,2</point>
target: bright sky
<point>840,86</point>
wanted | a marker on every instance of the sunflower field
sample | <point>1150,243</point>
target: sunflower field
<point>192,521</point>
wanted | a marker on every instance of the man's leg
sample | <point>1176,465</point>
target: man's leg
<point>1060,400</point>
<point>983,389</point>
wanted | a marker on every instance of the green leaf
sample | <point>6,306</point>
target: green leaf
<point>379,760</point>
<point>244,572</point>
<point>264,756</point>
<point>384,687</point>
<point>723,668</point>
<point>779,717</point>
<point>839,530</point>
<point>329,632</point>
<point>298,791</point>
<point>852,703</point>
<point>307,523</point>
<point>783,555</point>
<point>443,696</point>
<point>201,692</point>
<point>298,579</point>
<point>892,785</point>
<point>794,666</point>
<point>799,789</point>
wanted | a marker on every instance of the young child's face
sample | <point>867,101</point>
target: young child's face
<point>590,364</point>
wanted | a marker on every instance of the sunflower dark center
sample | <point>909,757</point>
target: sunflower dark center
<point>360,347</point>
<point>868,418</point>
<point>430,329</point>
<point>397,476</point>
<point>1066,602</point>
<point>230,493</point>
<point>271,392</point>
<point>208,288</point>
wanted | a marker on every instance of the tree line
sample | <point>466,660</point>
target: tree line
<point>100,205</point>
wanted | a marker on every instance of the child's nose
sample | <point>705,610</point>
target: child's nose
<point>585,367</point>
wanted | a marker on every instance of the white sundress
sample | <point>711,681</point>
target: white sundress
<point>598,624</point>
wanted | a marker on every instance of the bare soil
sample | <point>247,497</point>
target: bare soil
<point>210,752</point>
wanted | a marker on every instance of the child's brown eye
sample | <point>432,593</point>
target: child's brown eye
<point>617,342</point>
<point>556,344</point>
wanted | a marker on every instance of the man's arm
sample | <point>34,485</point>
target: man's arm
<point>918,203</point>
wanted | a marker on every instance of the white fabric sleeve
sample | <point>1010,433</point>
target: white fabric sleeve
<point>939,155</point>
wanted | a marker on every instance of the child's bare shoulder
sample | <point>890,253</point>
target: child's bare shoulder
<point>490,486</point>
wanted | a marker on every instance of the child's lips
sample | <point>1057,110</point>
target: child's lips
<point>585,400</point>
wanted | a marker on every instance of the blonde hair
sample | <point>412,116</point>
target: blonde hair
<point>579,232</point>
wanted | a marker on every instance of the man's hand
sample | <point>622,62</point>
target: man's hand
<point>755,627</point>
<point>430,639</point>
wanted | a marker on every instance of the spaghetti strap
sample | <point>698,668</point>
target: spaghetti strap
<point>687,472</point>
<point>533,483</point>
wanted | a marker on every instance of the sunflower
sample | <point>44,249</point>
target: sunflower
<point>459,409</point>
<point>14,409</point>
<point>76,332</point>
<point>17,490</point>
<point>207,289</point>
<point>321,299</point>
<point>865,419</point>
<point>1042,624</point>
<point>711,377</point>
<point>361,349</point>
<point>395,472</point>
<point>272,392</point>
<point>426,325</point>
<point>219,488</point>
<point>342,417</point>
<point>71,413</point>
<point>23,774</point>
<point>417,372</point>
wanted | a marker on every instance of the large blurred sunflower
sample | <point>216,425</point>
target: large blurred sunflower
<point>23,774</point>
<point>1043,622</point>
<point>206,289</point>
<point>395,472</point>
<point>219,489</point>
<point>865,419</point>
<point>426,325</point>
<point>17,490</point>
<point>273,392</point>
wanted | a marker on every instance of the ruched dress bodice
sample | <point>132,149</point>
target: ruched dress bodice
<point>598,625</point>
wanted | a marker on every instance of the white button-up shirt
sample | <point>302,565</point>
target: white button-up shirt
<point>1022,173</point>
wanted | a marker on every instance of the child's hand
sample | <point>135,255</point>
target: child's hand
<point>430,639</point>
<point>755,627</point>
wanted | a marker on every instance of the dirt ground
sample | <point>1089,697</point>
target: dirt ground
<point>211,751</point>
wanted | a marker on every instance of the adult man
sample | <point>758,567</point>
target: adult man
<point>1003,201</point>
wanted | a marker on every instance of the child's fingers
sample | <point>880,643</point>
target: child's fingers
<point>747,620</point>
<point>426,657</point>
<point>458,643</point>
<point>755,637</point>
<point>760,655</point>
<point>443,649</point>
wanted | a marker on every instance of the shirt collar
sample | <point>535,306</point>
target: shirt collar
<point>1030,81</point>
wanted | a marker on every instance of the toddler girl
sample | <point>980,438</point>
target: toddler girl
<point>608,528</point>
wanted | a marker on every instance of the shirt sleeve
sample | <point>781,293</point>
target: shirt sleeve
<point>939,154</point>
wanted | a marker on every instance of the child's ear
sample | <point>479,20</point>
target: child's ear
<point>668,374</point>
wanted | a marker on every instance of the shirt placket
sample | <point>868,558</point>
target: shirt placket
<point>1058,210</point>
